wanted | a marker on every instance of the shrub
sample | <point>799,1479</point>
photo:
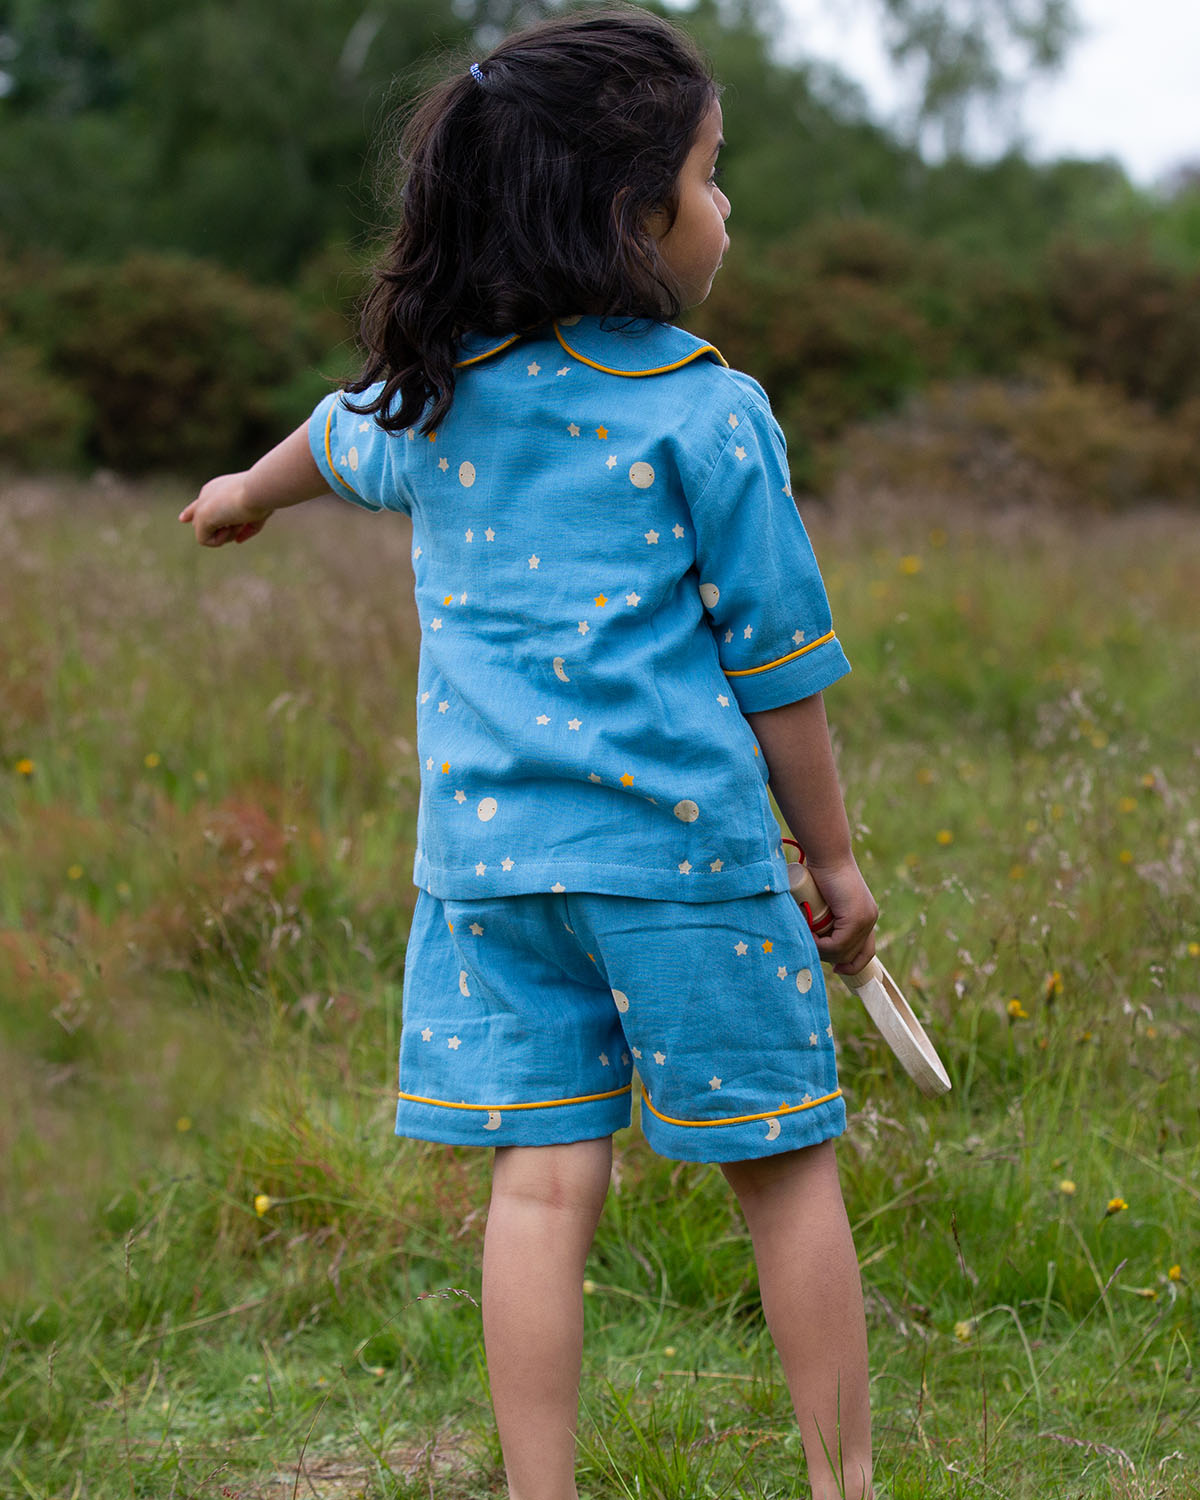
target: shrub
<point>44,420</point>
<point>181,364</point>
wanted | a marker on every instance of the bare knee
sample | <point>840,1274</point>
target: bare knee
<point>571,1179</point>
<point>763,1177</point>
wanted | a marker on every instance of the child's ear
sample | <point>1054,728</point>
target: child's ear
<point>655,223</point>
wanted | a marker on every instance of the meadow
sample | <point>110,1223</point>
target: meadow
<point>220,1273</point>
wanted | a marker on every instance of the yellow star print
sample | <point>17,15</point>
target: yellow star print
<point>627,779</point>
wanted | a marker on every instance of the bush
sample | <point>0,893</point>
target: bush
<point>179,364</point>
<point>44,421</point>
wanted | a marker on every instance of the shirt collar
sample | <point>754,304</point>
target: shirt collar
<point>634,347</point>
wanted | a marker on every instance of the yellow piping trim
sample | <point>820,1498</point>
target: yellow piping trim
<point>487,354</point>
<point>636,374</point>
<point>329,455</point>
<point>771,1114</point>
<point>791,656</point>
<point>537,1104</point>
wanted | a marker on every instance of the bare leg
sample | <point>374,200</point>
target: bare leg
<point>812,1298</point>
<point>546,1202</point>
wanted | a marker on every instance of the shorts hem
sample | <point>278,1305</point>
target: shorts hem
<point>557,1123</point>
<point>746,1138</point>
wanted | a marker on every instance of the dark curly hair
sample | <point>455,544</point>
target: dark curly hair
<point>526,185</point>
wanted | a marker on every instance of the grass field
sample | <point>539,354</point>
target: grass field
<point>223,1276</point>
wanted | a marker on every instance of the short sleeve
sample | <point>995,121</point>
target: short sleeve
<point>759,579</point>
<point>356,456</point>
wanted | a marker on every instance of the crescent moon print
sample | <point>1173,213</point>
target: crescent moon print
<point>560,670</point>
<point>462,983</point>
<point>493,1120</point>
<point>772,1130</point>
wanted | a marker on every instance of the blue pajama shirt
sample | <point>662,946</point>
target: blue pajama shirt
<point>610,573</point>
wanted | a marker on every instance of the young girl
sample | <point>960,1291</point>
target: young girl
<point>624,636</point>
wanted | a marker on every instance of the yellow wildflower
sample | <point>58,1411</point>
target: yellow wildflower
<point>152,760</point>
<point>589,1286</point>
<point>1017,1011</point>
<point>910,565</point>
<point>24,767</point>
<point>1127,805</point>
<point>1126,856</point>
<point>1115,1206</point>
<point>963,1331</point>
<point>670,1351</point>
<point>262,1202</point>
<point>1054,984</point>
<point>1149,781</point>
<point>1099,740</point>
<point>1016,872</point>
<point>75,872</point>
<point>938,537</point>
<point>1067,1186</point>
<point>1175,1273</point>
<point>925,777</point>
<point>184,1123</point>
<point>944,836</point>
<point>1194,950</point>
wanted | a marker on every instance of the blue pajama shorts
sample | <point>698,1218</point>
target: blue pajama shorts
<point>527,1017</point>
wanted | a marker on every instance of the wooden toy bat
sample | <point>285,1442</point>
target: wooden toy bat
<point>878,991</point>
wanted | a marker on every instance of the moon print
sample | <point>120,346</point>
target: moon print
<point>560,670</point>
<point>486,809</point>
<point>352,458</point>
<point>466,475</point>
<point>621,1001</point>
<point>772,1130</point>
<point>462,983</point>
<point>804,981</point>
<point>493,1120</point>
<point>709,594</point>
<point>641,475</point>
<point>686,811</point>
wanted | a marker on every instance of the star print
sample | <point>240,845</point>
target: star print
<point>685,867</point>
<point>660,1058</point>
<point>739,949</point>
<point>611,461</point>
<point>429,764</point>
<point>558,888</point>
<point>733,421</point>
<point>651,538</point>
<point>592,776</point>
<point>600,601</point>
<point>573,430</point>
<point>717,866</point>
<point>602,434</point>
<point>443,464</point>
<point>460,796</point>
<point>748,632</point>
<point>627,779</point>
<point>739,453</point>
<point>424,697</point>
<point>798,636</point>
<point>435,624</point>
<point>714,1082</point>
<point>490,534</point>
<point>476,929</point>
<point>364,426</point>
<point>768,946</point>
<point>728,636</point>
<point>829,1032</point>
<point>416,554</point>
<point>454,1044</point>
<point>604,1059</point>
<point>584,627</point>
<point>534,368</point>
<point>506,864</point>
<point>433,437</point>
<point>410,435</point>
<point>427,1035</point>
<point>543,718</point>
<point>469,535</point>
<point>722,700</point>
<point>574,723</point>
<point>534,560</point>
<point>787,490</point>
<point>677,529</point>
<point>481,868</point>
<point>449,599</point>
<point>444,706</point>
<point>462,598</point>
<point>445,768</point>
<point>633,600</point>
<point>566,370</point>
<point>781,972</point>
<point>637,1052</point>
<point>812,1039</point>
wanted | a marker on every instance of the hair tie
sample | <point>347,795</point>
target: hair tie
<point>477,73</point>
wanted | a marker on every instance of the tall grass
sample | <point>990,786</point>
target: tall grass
<point>222,1275</point>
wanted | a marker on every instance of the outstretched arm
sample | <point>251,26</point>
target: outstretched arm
<point>235,507</point>
<point>795,743</point>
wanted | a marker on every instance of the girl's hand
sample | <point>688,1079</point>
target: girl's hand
<point>851,942</point>
<point>223,512</point>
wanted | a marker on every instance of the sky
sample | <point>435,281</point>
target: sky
<point>1130,87</point>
